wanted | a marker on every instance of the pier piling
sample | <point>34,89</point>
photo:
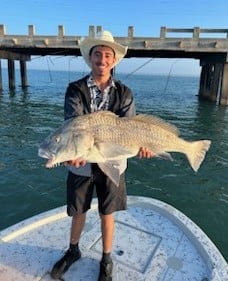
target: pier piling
<point>224,88</point>
<point>11,74</point>
<point>1,87</point>
<point>23,72</point>
<point>214,83</point>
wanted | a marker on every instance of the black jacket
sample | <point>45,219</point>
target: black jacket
<point>78,100</point>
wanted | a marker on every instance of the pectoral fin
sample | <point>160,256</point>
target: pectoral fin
<point>110,171</point>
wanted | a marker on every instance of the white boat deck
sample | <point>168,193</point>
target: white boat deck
<point>153,242</point>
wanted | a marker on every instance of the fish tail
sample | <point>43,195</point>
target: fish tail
<point>197,153</point>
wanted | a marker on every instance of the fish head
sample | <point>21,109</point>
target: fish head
<point>64,145</point>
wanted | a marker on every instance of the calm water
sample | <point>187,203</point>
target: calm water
<point>27,188</point>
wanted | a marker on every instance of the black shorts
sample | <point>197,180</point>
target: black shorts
<point>80,190</point>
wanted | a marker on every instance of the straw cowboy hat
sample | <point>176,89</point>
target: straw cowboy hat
<point>104,38</point>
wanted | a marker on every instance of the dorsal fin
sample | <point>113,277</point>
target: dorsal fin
<point>156,121</point>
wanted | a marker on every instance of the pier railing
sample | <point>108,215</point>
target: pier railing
<point>189,43</point>
<point>196,32</point>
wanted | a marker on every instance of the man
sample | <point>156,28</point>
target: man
<point>96,91</point>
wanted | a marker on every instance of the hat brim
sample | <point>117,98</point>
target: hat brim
<point>86,44</point>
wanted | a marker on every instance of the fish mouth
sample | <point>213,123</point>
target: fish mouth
<point>51,158</point>
<point>44,154</point>
<point>51,163</point>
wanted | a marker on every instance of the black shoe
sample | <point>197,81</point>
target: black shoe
<point>64,263</point>
<point>105,271</point>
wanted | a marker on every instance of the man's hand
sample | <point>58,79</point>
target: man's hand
<point>144,152</point>
<point>76,163</point>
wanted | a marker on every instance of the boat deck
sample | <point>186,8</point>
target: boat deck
<point>153,242</point>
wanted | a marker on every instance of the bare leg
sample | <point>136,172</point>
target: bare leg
<point>106,264</point>
<point>73,253</point>
<point>107,229</point>
<point>77,225</point>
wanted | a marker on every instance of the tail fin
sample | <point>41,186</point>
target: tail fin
<point>197,153</point>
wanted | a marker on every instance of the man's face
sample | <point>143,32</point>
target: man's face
<point>102,59</point>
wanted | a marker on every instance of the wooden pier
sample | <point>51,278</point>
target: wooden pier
<point>209,46</point>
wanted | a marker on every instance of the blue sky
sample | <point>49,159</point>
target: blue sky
<point>147,16</point>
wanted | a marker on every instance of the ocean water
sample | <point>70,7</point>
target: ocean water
<point>27,117</point>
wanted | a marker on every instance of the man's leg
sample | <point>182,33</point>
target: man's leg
<point>111,198</point>
<point>77,226</point>
<point>73,253</point>
<point>107,230</point>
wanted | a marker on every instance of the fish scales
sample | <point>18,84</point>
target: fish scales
<point>141,123</point>
<point>142,130</point>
